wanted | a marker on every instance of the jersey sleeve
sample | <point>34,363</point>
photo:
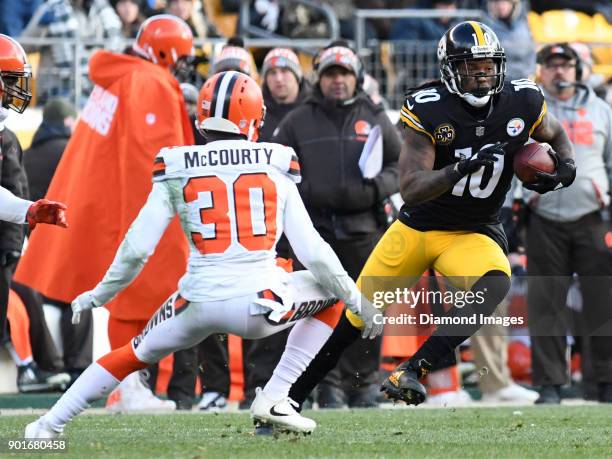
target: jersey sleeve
<point>532,100</point>
<point>12,208</point>
<point>411,118</point>
<point>168,164</point>
<point>285,160</point>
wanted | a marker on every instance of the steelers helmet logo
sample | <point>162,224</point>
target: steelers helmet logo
<point>444,134</point>
<point>515,126</point>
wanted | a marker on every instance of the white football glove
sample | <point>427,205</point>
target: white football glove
<point>372,319</point>
<point>83,302</point>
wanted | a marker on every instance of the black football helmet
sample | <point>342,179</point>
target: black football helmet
<point>470,40</point>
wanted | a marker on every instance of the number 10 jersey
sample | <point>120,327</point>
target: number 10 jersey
<point>459,131</point>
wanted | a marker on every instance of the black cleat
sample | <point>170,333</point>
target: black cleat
<point>549,395</point>
<point>403,384</point>
<point>30,378</point>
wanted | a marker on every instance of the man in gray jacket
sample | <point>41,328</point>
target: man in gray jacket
<point>569,232</point>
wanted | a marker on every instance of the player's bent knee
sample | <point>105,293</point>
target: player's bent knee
<point>493,286</point>
<point>122,361</point>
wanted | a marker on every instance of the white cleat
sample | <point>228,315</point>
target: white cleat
<point>280,413</point>
<point>511,393</point>
<point>213,402</point>
<point>450,399</point>
<point>132,396</point>
<point>39,429</point>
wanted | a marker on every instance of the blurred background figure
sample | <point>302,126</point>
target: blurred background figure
<point>48,144</point>
<point>189,11</point>
<point>508,19</point>
<point>570,233</point>
<point>15,15</point>
<point>131,14</point>
<point>70,19</point>
<point>234,56</point>
<point>424,29</point>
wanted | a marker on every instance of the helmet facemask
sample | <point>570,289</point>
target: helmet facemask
<point>461,80</point>
<point>15,89</point>
<point>464,52</point>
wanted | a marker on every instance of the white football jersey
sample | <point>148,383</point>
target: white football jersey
<point>230,196</point>
<point>234,199</point>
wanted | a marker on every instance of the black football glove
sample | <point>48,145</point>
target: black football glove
<point>563,176</point>
<point>485,157</point>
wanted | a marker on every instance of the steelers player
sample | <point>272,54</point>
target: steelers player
<point>460,134</point>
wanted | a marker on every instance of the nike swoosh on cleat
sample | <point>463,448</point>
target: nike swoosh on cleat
<point>273,412</point>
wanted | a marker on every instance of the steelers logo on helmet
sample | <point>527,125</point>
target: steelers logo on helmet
<point>472,62</point>
<point>444,134</point>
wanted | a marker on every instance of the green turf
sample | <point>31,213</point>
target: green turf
<point>563,431</point>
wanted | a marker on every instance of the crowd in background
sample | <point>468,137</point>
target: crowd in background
<point>296,99</point>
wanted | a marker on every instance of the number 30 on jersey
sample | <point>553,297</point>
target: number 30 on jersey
<point>254,212</point>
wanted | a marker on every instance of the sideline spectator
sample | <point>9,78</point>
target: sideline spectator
<point>50,139</point>
<point>284,89</point>
<point>328,133</point>
<point>508,19</point>
<point>131,16</point>
<point>189,11</point>
<point>568,232</point>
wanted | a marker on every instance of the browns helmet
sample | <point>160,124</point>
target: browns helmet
<point>15,74</point>
<point>164,39</point>
<point>231,102</point>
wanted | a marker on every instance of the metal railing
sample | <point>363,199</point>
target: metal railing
<point>73,82</point>
<point>362,15</point>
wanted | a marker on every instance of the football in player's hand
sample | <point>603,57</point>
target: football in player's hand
<point>533,158</point>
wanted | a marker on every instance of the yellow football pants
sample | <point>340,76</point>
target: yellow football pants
<point>403,254</point>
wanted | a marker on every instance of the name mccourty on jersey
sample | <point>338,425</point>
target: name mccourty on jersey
<point>226,157</point>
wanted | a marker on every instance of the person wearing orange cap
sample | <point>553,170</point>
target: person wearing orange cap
<point>135,108</point>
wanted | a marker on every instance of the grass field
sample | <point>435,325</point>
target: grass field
<point>561,431</point>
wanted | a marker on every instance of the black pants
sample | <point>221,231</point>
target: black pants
<point>260,359</point>
<point>77,339</point>
<point>214,366</point>
<point>359,364</point>
<point>6,273</point>
<point>43,348</point>
<point>555,251</point>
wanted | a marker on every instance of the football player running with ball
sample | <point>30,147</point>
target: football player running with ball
<point>234,198</point>
<point>460,135</point>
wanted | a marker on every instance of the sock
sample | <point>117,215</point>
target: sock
<point>304,342</point>
<point>493,287</point>
<point>20,362</point>
<point>94,383</point>
<point>342,337</point>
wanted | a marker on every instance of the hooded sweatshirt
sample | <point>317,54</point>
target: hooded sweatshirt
<point>104,177</point>
<point>587,119</point>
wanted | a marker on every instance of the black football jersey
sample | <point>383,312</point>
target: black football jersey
<point>459,131</point>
